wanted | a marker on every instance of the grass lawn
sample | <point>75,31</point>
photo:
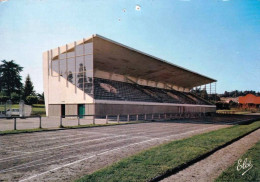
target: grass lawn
<point>37,109</point>
<point>14,106</point>
<point>157,160</point>
<point>232,174</point>
<point>21,131</point>
<point>236,111</point>
<point>231,111</point>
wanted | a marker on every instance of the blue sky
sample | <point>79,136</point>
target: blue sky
<point>217,38</point>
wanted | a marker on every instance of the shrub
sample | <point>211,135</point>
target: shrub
<point>40,101</point>
<point>4,98</point>
<point>31,100</point>
<point>15,97</point>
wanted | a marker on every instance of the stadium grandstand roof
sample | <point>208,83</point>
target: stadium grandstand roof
<point>117,58</point>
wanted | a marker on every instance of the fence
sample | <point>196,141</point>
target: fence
<point>131,117</point>
<point>78,120</point>
<point>17,117</point>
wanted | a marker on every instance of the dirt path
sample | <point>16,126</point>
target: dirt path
<point>211,167</point>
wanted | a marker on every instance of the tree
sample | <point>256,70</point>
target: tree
<point>15,97</point>
<point>226,94</point>
<point>40,98</point>
<point>32,100</point>
<point>4,98</point>
<point>28,88</point>
<point>10,78</point>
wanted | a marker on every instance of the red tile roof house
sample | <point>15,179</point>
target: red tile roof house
<point>249,101</point>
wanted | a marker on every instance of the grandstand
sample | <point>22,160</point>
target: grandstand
<point>98,76</point>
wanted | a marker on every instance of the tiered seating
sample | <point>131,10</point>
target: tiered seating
<point>182,97</point>
<point>161,95</point>
<point>102,94</point>
<point>114,90</point>
<point>197,99</point>
<point>125,91</point>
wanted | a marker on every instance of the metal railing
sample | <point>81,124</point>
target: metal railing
<point>137,117</point>
<point>18,117</point>
<point>115,118</point>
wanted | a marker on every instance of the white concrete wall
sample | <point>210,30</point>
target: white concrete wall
<point>103,107</point>
<point>57,90</point>
<point>46,81</point>
<point>59,93</point>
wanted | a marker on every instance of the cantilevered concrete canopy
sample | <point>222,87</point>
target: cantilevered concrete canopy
<point>76,76</point>
<point>114,57</point>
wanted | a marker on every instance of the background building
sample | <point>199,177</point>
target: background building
<point>99,76</point>
<point>249,101</point>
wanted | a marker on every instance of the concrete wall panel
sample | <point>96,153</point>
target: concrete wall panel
<point>71,109</point>
<point>103,109</point>
<point>90,109</point>
<point>54,110</point>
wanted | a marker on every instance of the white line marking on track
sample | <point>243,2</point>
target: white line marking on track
<point>68,140</point>
<point>26,164</point>
<point>61,146</point>
<point>15,151</point>
<point>59,136</point>
<point>118,148</point>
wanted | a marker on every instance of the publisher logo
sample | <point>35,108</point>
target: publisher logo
<point>244,166</point>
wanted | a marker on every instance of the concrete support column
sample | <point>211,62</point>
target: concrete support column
<point>14,123</point>
<point>40,124</point>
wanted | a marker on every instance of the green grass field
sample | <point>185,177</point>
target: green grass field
<point>38,109</point>
<point>156,161</point>
<point>237,111</point>
<point>22,131</point>
<point>233,175</point>
<point>233,112</point>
